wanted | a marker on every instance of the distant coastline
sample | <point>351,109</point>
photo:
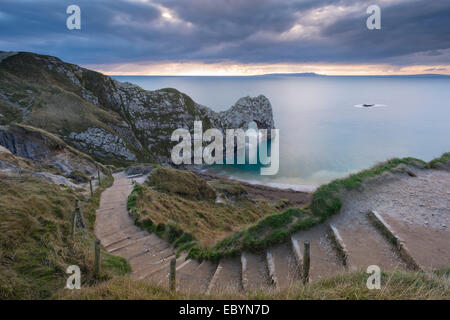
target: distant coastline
<point>293,75</point>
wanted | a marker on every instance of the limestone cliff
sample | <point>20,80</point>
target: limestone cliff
<point>113,121</point>
<point>46,150</point>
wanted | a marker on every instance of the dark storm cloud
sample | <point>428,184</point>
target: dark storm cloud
<point>244,31</point>
<point>408,28</point>
<point>238,19</point>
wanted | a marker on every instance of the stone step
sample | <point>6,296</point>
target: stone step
<point>132,247</point>
<point>149,240</point>
<point>119,201</point>
<point>147,260</point>
<point>187,278</point>
<point>152,251</point>
<point>117,241</point>
<point>161,278</point>
<point>227,277</point>
<point>283,267</point>
<point>129,240</point>
<point>297,251</point>
<point>362,245</point>
<point>271,267</point>
<point>108,236</point>
<point>201,277</point>
<point>324,261</point>
<point>255,273</point>
<point>186,265</point>
<point>157,274</point>
<point>421,247</point>
<point>155,268</point>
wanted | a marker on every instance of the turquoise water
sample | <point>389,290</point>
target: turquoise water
<point>322,134</point>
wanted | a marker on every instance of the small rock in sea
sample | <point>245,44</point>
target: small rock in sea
<point>444,226</point>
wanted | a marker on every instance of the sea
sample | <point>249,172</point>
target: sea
<point>330,126</point>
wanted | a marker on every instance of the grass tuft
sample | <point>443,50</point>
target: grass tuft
<point>442,161</point>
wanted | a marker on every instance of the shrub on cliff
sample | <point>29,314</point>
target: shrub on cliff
<point>181,183</point>
<point>230,189</point>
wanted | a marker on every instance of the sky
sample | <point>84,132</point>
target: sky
<point>234,37</point>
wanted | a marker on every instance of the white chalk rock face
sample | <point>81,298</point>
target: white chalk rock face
<point>101,143</point>
<point>141,122</point>
<point>246,110</point>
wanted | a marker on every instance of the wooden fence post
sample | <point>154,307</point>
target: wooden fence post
<point>90,184</point>
<point>98,173</point>
<point>79,214</point>
<point>97,258</point>
<point>306,262</point>
<point>172,275</point>
<point>74,224</point>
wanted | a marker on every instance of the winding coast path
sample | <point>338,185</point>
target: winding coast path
<point>396,221</point>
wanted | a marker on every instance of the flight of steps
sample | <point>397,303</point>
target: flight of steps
<point>345,243</point>
<point>281,266</point>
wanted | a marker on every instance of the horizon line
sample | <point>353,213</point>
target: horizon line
<point>293,74</point>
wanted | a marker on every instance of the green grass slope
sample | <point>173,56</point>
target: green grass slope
<point>326,201</point>
<point>182,208</point>
<point>36,245</point>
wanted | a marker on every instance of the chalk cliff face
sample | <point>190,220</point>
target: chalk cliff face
<point>45,149</point>
<point>113,121</point>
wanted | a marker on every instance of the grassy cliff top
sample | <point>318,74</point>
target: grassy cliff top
<point>182,208</point>
<point>326,201</point>
<point>181,183</point>
<point>35,238</point>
